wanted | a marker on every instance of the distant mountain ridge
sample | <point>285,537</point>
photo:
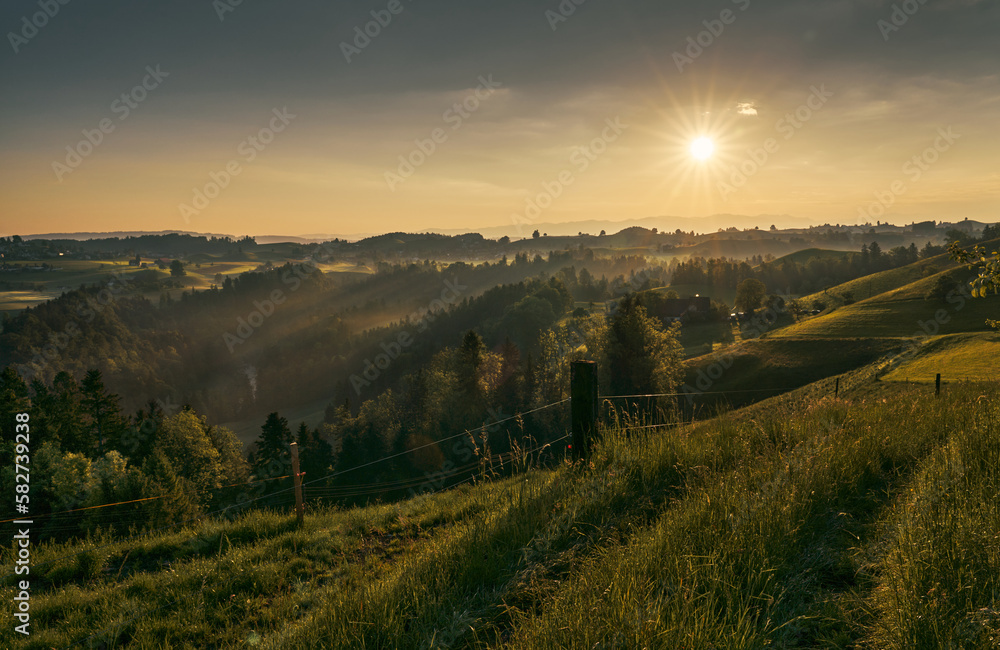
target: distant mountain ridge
<point>701,225</point>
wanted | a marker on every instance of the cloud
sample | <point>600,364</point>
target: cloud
<point>746,108</point>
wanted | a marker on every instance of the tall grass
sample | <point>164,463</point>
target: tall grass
<point>939,583</point>
<point>840,523</point>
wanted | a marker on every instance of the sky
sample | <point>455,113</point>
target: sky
<point>250,117</point>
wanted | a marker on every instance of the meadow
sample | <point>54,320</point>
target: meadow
<point>869,520</point>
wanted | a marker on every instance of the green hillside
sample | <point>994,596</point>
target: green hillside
<point>909,318</point>
<point>803,256</point>
<point>802,522</point>
<point>956,357</point>
<point>872,285</point>
<point>762,367</point>
<point>899,306</point>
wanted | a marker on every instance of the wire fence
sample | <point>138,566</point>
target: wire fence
<point>245,503</point>
<point>121,624</point>
<point>377,488</point>
<point>313,490</point>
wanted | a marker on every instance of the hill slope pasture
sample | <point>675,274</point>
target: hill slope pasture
<point>955,357</point>
<point>872,285</point>
<point>865,520</point>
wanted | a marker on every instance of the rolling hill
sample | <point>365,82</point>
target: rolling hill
<point>894,323</point>
<point>800,522</point>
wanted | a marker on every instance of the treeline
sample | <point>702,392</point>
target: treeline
<point>85,452</point>
<point>164,465</point>
<point>290,333</point>
<point>790,276</point>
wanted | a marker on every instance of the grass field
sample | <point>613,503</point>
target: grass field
<point>896,318</point>
<point>758,368</point>
<point>865,521</point>
<point>877,283</point>
<point>956,357</point>
<point>803,256</point>
<point>201,274</point>
<point>13,301</point>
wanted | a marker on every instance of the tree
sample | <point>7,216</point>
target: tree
<point>177,269</point>
<point>536,234</point>
<point>638,355</point>
<point>957,237</point>
<point>370,436</point>
<point>13,400</point>
<point>272,446</point>
<point>315,452</point>
<point>470,359</point>
<point>234,466</point>
<point>106,422</point>
<point>875,253</point>
<point>930,250</point>
<point>943,286</point>
<point>184,438</point>
<point>988,267</point>
<point>177,501</point>
<point>750,294</point>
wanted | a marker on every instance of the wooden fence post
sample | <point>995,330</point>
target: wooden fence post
<point>937,385</point>
<point>297,478</point>
<point>836,390</point>
<point>583,406</point>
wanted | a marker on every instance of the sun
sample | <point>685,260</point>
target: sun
<point>702,148</point>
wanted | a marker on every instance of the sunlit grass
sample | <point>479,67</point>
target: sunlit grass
<point>955,357</point>
<point>841,522</point>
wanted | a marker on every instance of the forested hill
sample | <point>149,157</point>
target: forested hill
<point>272,338</point>
<point>289,334</point>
